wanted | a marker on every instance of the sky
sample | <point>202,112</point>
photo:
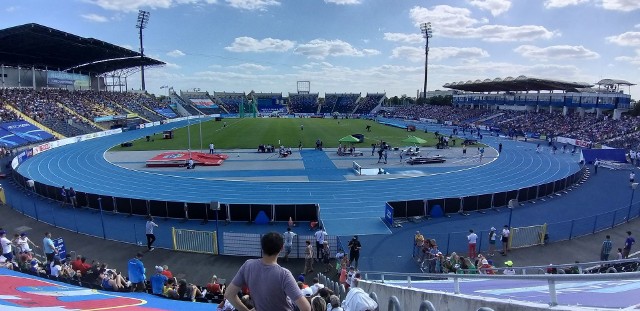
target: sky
<point>354,46</point>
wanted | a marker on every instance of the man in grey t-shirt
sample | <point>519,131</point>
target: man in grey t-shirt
<point>262,276</point>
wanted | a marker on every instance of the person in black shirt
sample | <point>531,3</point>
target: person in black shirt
<point>354,251</point>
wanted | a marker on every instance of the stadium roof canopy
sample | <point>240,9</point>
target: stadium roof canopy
<point>43,47</point>
<point>614,82</point>
<point>519,84</point>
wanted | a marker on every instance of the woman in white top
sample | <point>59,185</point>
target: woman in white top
<point>23,243</point>
<point>505,240</point>
<point>56,267</point>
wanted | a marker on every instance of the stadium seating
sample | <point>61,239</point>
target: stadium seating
<point>270,102</point>
<point>369,102</point>
<point>230,101</point>
<point>303,103</point>
<point>340,103</point>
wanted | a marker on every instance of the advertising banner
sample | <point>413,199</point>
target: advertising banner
<point>26,131</point>
<point>66,78</point>
<point>388,214</point>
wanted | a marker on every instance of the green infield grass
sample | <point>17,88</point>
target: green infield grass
<point>248,133</point>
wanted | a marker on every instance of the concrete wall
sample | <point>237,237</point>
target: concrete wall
<point>411,298</point>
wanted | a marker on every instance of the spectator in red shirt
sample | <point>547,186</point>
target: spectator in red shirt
<point>80,264</point>
<point>166,272</point>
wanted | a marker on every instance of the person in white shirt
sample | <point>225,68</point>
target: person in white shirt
<point>149,232</point>
<point>56,267</point>
<point>23,243</point>
<point>6,246</point>
<point>288,243</point>
<point>320,236</point>
<point>505,239</point>
<point>509,269</point>
<point>472,238</point>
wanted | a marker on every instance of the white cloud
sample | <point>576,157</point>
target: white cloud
<point>135,5</point>
<point>320,49</point>
<point>404,37</point>
<point>621,5</point>
<point>248,44</point>
<point>11,9</point>
<point>414,54</point>
<point>172,65</point>
<point>556,52</point>
<point>250,67</point>
<point>630,38</point>
<point>635,60</point>
<point>343,2</point>
<point>455,22</point>
<point>253,5</point>
<point>637,26</point>
<point>553,4</point>
<point>496,7</point>
<point>95,18</point>
<point>176,53</point>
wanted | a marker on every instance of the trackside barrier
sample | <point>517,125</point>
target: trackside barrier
<point>393,304</point>
<point>550,279</point>
<point>193,241</point>
<point>248,244</point>
<point>478,203</point>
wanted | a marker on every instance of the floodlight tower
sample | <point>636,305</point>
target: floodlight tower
<point>143,20</point>
<point>427,33</point>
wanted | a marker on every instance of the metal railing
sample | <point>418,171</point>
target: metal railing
<point>551,279</point>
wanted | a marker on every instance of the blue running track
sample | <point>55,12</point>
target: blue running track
<point>346,207</point>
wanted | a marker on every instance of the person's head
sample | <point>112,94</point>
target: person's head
<point>23,234</point>
<point>150,217</point>
<point>629,233</point>
<point>288,229</point>
<point>335,301</point>
<point>271,243</point>
<point>47,234</point>
<point>318,304</point>
<point>470,230</point>
<point>83,259</point>
<point>307,242</point>
<point>159,269</point>
<point>139,255</point>
<point>608,237</point>
<point>355,237</point>
<point>165,268</point>
<point>619,250</point>
<point>493,229</point>
<point>316,281</point>
<point>3,233</point>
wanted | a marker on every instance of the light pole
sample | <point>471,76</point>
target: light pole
<point>427,33</point>
<point>143,20</point>
<point>633,191</point>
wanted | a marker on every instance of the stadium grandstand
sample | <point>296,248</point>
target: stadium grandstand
<point>230,101</point>
<point>370,102</point>
<point>270,103</point>
<point>303,103</point>
<point>525,93</point>
<point>201,101</point>
<point>344,103</point>
<point>73,99</point>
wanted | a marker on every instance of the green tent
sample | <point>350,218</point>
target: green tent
<point>414,140</point>
<point>349,139</point>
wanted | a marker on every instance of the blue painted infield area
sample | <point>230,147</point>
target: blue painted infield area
<point>319,167</point>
